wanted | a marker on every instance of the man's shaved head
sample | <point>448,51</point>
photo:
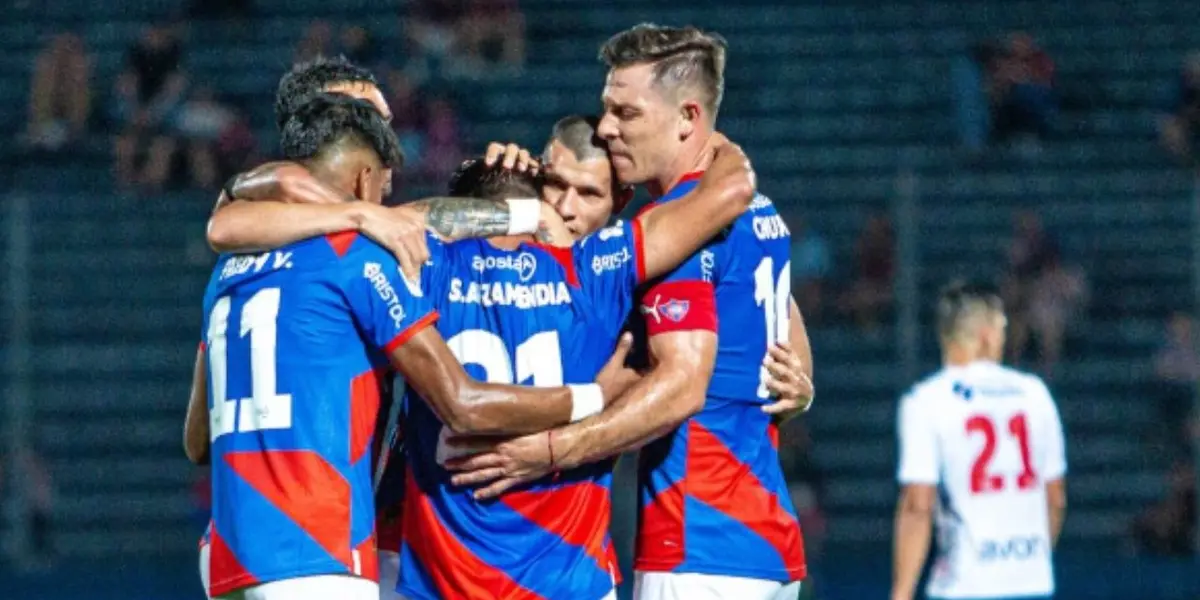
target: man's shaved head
<point>971,315</point>
<point>577,133</point>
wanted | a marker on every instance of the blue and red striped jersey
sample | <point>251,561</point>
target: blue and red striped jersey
<point>537,316</point>
<point>296,340</point>
<point>712,494</point>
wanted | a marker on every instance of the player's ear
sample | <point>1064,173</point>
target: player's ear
<point>363,188</point>
<point>689,116</point>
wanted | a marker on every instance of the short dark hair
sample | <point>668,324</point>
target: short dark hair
<point>330,120</point>
<point>961,300</point>
<point>308,79</point>
<point>681,56</point>
<point>578,134</point>
<point>475,179</point>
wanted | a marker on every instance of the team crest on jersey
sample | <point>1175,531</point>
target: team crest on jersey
<point>673,310</point>
<point>524,264</point>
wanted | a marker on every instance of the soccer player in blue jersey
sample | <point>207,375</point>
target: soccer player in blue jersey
<point>716,518</point>
<point>294,396</point>
<point>604,268</point>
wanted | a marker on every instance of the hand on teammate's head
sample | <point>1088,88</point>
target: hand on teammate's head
<point>511,156</point>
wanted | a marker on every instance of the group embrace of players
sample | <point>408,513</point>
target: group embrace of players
<point>425,401</point>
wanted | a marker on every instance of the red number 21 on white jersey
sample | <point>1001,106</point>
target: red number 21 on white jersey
<point>982,482</point>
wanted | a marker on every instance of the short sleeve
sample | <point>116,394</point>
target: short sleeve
<point>684,299</point>
<point>1054,460</point>
<point>919,461</point>
<point>611,264</point>
<point>388,307</point>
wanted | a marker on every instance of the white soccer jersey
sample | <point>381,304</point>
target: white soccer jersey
<point>990,438</point>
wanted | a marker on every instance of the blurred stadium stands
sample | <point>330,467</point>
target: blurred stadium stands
<point>845,109</point>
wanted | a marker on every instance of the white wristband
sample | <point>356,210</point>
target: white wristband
<point>524,215</point>
<point>586,400</point>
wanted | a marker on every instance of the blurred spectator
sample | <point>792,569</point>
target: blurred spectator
<point>443,139</point>
<point>1030,252</point>
<point>211,132</point>
<point>60,96</point>
<point>1177,370</point>
<point>433,27</point>
<point>1024,96</point>
<point>493,33</point>
<point>973,78</point>
<point>316,41</point>
<point>1168,528</point>
<point>870,294</point>
<point>1056,300</point>
<point>810,267</point>
<point>359,46</point>
<point>1180,124</point>
<point>36,483</point>
<point>221,9</point>
<point>147,94</point>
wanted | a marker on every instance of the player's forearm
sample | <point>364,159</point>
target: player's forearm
<point>654,406</point>
<point>195,427</point>
<point>461,218</point>
<point>259,226</point>
<point>1056,507</point>
<point>912,537</point>
<point>676,230</point>
<point>798,337</point>
<point>284,182</point>
<point>468,407</point>
<point>490,409</point>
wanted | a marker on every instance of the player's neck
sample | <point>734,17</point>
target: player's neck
<point>510,242</point>
<point>693,156</point>
<point>962,355</point>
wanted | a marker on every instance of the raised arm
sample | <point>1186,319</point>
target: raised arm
<point>288,204</point>
<point>195,426</point>
<point>467,406</point>
<point>675,230</point>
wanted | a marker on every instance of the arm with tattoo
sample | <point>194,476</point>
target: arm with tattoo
<point>290,204</point>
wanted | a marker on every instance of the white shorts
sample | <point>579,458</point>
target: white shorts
<point>317,587</point>
<point>389,575</point>
<point>204,568</point>
<point>698,586</point>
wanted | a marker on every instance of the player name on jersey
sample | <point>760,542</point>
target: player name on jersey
<point>507,293</point>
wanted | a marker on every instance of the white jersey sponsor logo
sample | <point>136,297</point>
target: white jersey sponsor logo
<point>524,264</point>
<point>373,272</point>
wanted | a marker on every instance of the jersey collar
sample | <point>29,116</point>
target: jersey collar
<point>685,184</point>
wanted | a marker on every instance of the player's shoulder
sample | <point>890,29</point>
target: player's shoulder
<point>298,258</point>
<point>617,231</point>
<point>761,221</point>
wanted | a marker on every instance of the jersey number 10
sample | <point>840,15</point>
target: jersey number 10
<point>981,481</point>
<point>773,295</point>
<point>265,408</point>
